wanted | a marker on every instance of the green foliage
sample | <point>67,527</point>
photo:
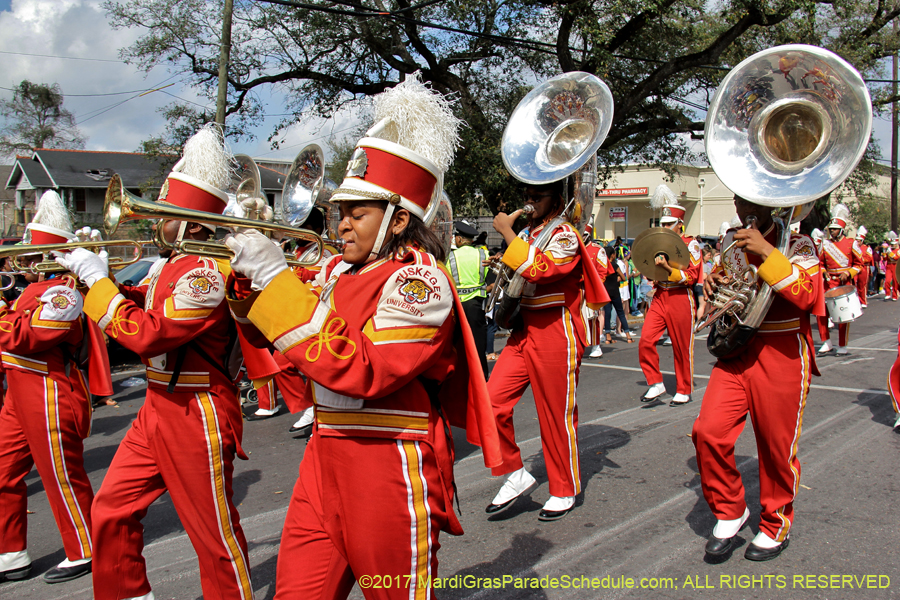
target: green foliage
<point>35,118</point>
<point>662,60</point>
<point>875,213</point>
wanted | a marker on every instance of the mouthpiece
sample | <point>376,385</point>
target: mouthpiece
<point>527,209</point>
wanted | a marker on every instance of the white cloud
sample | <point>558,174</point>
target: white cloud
<point>79,28</point>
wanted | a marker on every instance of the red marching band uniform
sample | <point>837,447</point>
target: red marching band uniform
<point>781,351</point>
<point>188,432</point>
<point>390,365</point>
<point>288,379</point>
<point>46,345</point>
<point>673,309</point>
<point>867,259</point>
<point>597,257</point>
<point>891,257</point>
<point>547,351</point>
<point>844,256</point>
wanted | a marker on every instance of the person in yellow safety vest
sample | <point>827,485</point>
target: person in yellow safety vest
<point>466,264</point>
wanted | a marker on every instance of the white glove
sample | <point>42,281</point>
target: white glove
<point>87,266</point>
<point>256,257</point>
<point>86,234</point>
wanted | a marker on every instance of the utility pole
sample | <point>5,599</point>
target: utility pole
<point>894,126</point>
<point>225,56</point>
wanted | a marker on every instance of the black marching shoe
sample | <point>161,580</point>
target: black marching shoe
<point>553,515</point>
<point>756,553</point>
<point>61,574</point>
<point>303,431</point>
<point>720,547</point>
<point>16,574</point>
<point>256,417</point>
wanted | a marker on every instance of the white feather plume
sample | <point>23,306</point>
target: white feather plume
<point>662,195</point>
<point>207,158</point>
<point>418,118</point>
<point>52,212</point>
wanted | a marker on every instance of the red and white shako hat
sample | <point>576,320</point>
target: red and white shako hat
<point>664,199</point>
<point>197,181</point>
<point>861,232</point>
<point>672,212</point>
<point>840,216</point>
<point>52,223</point>
<point>403,158</point>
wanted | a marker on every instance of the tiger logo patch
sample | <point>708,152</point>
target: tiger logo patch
<point>416,291</point>
<point>60,302</point>
<point>200,285</point>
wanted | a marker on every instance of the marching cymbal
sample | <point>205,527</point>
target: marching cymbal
<point>659,240</point>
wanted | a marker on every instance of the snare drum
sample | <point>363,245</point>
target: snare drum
<point>843,304</point>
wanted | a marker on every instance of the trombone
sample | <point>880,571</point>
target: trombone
<point>14,253</point>
<point>121,206</point>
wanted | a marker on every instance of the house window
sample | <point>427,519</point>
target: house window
<point>78,196</point>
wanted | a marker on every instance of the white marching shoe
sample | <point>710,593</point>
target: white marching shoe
<point>656,390</point>
<point>842,351</point>
<point>722,539</point>
<point>15,565</point>
<point>304,424</point>
<point>680,399</point>
<point>556,508</point>
<point>596,352</point>
<point>515,485</point>
<point>825,348</point>
<point>897,424</point>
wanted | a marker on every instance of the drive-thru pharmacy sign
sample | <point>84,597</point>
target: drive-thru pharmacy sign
<point>623,192</point>
<point>618,213</point>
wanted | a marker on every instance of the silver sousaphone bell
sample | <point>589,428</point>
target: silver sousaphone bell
<point>554,131</point>
<point>786,127</point>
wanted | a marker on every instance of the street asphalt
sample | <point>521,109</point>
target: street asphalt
<point>638,529</point>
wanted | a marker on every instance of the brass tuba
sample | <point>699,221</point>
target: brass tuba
<point>786,127</point>
<point>554,132</point>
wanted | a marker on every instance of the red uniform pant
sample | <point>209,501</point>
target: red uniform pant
<point>862,286</point>
<point>824,334</point>
<point>674,310</point>
<point>769,381</point>
<point>184,444</point>
<point>891,288</point>
<point>547,354</point>
<point>843,328</point>
<point>291,385</point>
<point>43,424</point>
<point>267,396</point>
<point>367,510</point>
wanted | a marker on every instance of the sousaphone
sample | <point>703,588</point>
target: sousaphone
<point>554,132</point>
<point>786,127</point>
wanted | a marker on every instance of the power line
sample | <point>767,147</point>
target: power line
<point>62,57</point>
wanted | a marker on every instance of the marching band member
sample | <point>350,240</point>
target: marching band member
<point>594,318</point>
<point>841,261</point>
<point>867,259</point>
<point>672,309</point>
<point>891,257</point>
<point>546,353</point>
<point>894,386</point>
<point>48,349</point>
<point>781,352</point>
<point>188,432</point>
<point>374,334</point>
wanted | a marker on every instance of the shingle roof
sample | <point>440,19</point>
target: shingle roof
<point>32,170</point>
<point>89,169</point>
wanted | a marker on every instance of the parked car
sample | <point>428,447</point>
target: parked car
<point>134,273</point>
<point>9,241</point>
